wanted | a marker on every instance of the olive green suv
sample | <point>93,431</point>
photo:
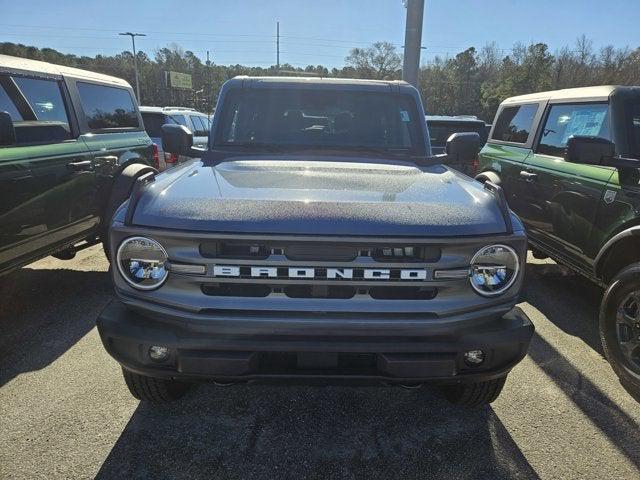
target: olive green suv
<point>72,144</point>
<point>569,163</point>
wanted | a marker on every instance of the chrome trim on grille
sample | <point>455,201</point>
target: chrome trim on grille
<point>451,274</point>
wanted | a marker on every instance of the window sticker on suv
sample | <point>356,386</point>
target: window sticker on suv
<point>565,121</point>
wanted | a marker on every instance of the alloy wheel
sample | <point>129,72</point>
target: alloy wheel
<point>628,329</point>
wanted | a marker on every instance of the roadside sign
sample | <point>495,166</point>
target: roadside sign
<point>177,80</point>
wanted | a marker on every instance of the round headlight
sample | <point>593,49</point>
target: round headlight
<point>142,262</point>
<point>494,269</point>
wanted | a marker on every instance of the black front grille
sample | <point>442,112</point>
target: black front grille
<point>319,251</point>
<point>232,249</point>
<point>402,293</point>
<point>319,291</point>
<point>236,290</point>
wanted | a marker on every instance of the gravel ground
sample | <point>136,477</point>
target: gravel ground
<point>66,413</point>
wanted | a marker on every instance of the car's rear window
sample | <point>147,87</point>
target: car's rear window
<point>321,118</point>
<point>153,123</point>
<point>514,123</point>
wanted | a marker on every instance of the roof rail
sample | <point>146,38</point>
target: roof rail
<point>179,108</point>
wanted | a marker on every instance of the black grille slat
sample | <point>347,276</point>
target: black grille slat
<point>235,290</point>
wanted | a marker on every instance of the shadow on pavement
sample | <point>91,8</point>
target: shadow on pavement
<point>263,431</point>
<point>567,299</point>
<point>604,413</point>
<point>43,313</point>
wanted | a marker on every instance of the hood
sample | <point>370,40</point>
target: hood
<point>319,197</point>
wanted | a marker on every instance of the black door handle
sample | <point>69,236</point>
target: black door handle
<point>80,166</point>
<point>528,176</point>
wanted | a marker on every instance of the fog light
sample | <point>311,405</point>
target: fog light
<point>474,358</point>
<point>158,353</point>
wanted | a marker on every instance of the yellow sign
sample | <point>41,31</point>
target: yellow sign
<point>179,80</point>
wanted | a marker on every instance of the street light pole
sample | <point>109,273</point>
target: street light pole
<point>135,58</point>
<point>412,41</point>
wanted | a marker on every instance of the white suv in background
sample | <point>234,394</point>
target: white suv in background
<point>154,117</point>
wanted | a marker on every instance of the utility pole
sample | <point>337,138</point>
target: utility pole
<point>412,41</point>
<point>135,59</point>
<point>210,91</point>
<point>278,47</point>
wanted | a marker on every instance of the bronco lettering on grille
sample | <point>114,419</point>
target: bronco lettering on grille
<point>320,273</point>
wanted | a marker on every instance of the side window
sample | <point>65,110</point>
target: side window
<point>200,129</point>
<point>180,120</point>
<point>45,99</point>
<point>564,121</point>
<point>7,105</point>
<point>37,108</point>
<point>107,107</point>
<point>514,123</point>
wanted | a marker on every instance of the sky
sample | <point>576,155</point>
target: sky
<point>312,32</point>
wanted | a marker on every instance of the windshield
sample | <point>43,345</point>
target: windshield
<point>321,118</point>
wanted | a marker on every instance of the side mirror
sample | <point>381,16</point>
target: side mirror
<point>589,150</point>
<point>7,130</point>
<point>463,147</point>
<point>176,139</point>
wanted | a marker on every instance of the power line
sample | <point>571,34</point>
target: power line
<point>327,41</point>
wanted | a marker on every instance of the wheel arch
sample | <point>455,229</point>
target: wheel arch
<point>122,185</point>
<point>620,250</point>
<point>490,176</point>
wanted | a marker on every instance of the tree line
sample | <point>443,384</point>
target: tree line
<point>473,82</point>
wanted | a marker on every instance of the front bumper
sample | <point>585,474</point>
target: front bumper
<point>272,347</point>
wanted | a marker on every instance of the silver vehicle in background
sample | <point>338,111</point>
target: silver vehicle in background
<point>154,117</point>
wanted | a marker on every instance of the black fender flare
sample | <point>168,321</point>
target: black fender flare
<point>608,247</point>
<point>121,189</point>
<point>489,176</point>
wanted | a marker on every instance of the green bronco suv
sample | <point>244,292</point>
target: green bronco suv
<point>72,143</point>
<point>569,163</point>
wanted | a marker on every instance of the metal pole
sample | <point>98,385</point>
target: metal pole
<point>135,67</point>
<point>278,47</point>
<point>412,41</point>
<point>135,59</point>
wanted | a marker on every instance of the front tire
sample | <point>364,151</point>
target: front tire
<point>620,326</point>
<point>474,394</point>
<point>154,390</point>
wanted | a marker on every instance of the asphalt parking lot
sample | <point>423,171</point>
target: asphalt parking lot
<point>66,413</point>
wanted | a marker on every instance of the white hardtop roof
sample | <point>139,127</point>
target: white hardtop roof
<point>8,63</point>
<point>582,94</point>
<point>169,110</point>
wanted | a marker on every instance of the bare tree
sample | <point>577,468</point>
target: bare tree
<point>380,61</point>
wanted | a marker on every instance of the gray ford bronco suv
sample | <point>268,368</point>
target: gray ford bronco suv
<point>316,237</point>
